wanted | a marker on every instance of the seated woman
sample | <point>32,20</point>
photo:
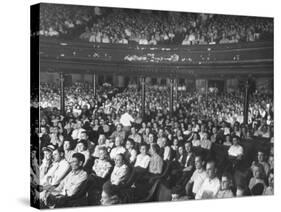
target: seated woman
<point>101,143</point>
<point>258,175</point>
<point>100,173</point>
<point>270,188</point>
<point>156,162</point>
<point>175,145</point>
<point>131,153</point>
<point>227,141</point>
<point>196,140</point>
<point>142,160</point>
<point>186,171</point>
<point>180,154</point>
<point>141,164</point>
<point>205,141</point>
<point>82,147</point>
<point>178,164</point>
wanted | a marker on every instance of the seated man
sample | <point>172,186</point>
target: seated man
<point>70,185</point>
<point>58,170</point>
<point>211,185</point>
<point>225,191</point>
<point>235,151</point>
<point>120,171</point>
<point>165,150</point>
<point>68,152</point>
<point>197,178</point>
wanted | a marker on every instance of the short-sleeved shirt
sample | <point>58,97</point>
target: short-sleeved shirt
<point>142,161</point>
<point>155,164</point>
<point>198,178</point>
<point>119,174</point>
<point>235,150</point>
<point>208,189</point>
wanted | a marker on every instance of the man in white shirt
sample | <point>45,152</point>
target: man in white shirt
<point>70,185</point>
<point>211,185</point>
<point>126,119</point>
<point>58,170</point>
<point>235,149</point>
<point>120,171</point>
<point>197,178</point>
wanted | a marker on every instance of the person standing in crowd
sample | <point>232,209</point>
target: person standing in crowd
<point>126,120</point>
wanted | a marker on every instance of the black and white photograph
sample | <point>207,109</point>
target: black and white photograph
<point>138,106</point>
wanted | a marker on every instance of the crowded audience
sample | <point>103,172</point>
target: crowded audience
<point>201,149</point>
<point>146,27</point>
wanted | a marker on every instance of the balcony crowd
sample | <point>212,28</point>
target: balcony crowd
<point>144,27</point>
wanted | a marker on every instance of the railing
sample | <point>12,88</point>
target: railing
<point>254,52</point>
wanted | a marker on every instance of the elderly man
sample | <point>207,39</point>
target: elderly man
<point>118,149</point>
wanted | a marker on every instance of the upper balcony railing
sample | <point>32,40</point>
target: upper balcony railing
<point>252,52</point>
